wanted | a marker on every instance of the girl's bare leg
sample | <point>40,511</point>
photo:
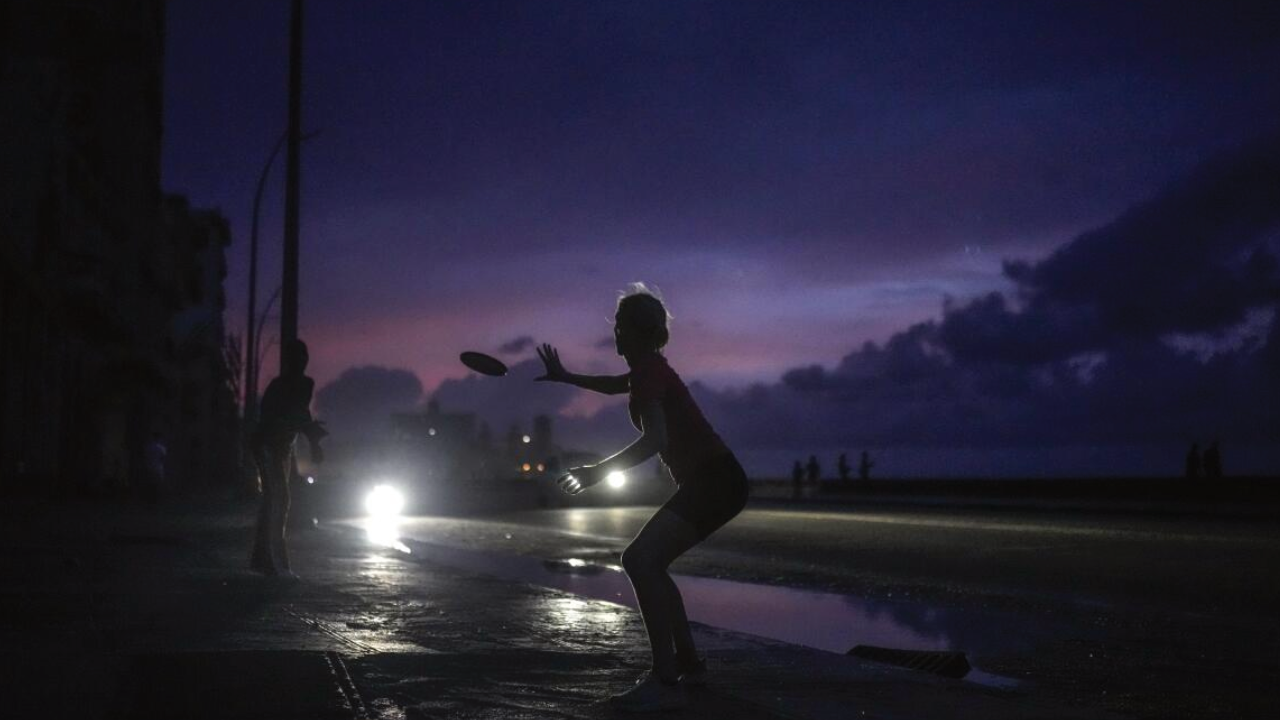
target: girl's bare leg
<point>280,511</point>
<point>260,559</point>
<point>664,538</point>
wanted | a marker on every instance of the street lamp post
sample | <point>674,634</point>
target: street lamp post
<point>253,324</point>
<point>289,285</point>
<point>251,332</point>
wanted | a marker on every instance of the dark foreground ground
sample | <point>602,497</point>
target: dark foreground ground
<point>1148,615</point>
<point>132,611</point>
<point>125,611</point>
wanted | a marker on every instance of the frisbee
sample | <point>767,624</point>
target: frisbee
<point>483,364</point>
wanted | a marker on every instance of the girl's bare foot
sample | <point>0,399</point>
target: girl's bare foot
<point>651,694</point>
<point>694,674</point>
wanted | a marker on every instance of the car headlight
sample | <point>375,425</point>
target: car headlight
<point>384,501</point>
<point>616,479</point>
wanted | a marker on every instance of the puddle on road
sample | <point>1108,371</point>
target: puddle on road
<point>826,621</point>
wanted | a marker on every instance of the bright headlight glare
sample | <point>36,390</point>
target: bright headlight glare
<point>616,479</point>
<point>384,501</point>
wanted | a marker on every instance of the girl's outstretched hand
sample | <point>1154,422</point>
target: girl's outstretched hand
<point>555,371</point>
<point>579,479</point>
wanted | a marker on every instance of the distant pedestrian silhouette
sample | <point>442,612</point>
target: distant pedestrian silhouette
<point>864,466</point>
<point>842,467</point>
<point>284,412</point>
<point>797,479</point>
<point>813,470</point>
<point>154,455</point>
<point>1193,462</point>
<point>1213,461</point>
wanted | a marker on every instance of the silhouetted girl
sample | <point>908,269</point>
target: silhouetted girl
<point>711,490</point>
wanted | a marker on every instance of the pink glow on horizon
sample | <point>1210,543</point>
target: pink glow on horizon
<point>718,358</point>
<point>724,334</point>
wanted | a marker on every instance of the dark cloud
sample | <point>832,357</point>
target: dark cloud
<point>1195,259</point>
<point>359,403</point>
<point>1082,354</point>
<point>516,346</point>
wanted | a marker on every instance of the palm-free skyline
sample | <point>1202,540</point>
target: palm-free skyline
<point>798,179</point>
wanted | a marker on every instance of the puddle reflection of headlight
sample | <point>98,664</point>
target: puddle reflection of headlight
<point>616,479</point>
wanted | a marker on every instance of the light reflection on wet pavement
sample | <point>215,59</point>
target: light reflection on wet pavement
<point>822,620</point>
<point>420,645</point>
<point>523,683</point>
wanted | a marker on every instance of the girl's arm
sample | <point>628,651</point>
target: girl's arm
<point>606,384</point>
<point>653,440</point>
<point>313,429</point>
<point>555,372</point>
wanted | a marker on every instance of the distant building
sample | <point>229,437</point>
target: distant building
<point>110,294</point>
<point>439,445</point>
<point>541,442</point>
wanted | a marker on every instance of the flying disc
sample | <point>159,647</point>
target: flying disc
<point>483,364</point>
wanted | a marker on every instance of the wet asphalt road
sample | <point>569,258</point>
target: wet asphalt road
<point>1152,617</point>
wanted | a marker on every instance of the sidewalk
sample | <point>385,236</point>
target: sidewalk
<point>120,611</point>
<point>1248,498</point>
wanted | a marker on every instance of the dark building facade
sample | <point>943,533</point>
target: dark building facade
<point>110,292</point>
<point>200,414</point>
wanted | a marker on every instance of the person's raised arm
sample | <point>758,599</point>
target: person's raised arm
<point>653,440</point>
<point>555,372</point>
<point>313,429</point>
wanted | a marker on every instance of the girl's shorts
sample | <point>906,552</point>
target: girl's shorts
<point>712,496</point>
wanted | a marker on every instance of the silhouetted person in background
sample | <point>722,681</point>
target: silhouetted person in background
<point>711,489</point>
<point>1212,461</point>
<point>1193,462</point>
<point>812,469</point>
<point>864,466</point>
<point>797,479</point>
<point>154,455</point>
<point>284,412</point>
<point>842,467</point>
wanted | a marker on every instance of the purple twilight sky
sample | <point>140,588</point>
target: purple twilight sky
<point>798,178</point>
